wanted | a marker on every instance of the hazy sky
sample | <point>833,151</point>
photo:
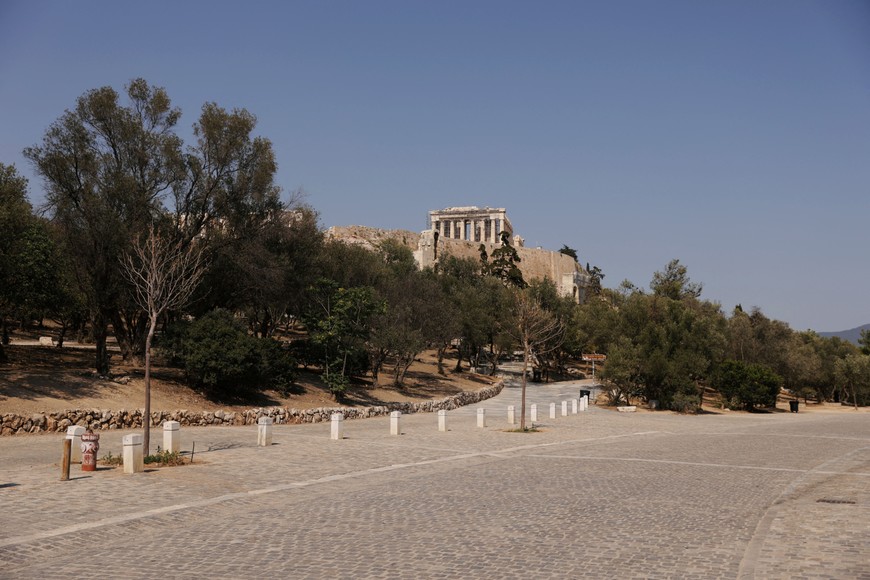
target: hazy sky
<point>734,135</point>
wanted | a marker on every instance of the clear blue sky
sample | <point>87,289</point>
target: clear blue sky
<point>734,135</point>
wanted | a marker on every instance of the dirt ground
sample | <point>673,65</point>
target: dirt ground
<point>42,379</point>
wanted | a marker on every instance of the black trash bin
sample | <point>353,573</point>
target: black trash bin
<point>793,406</point>
<point>585,393</point>
<point>536,375</point>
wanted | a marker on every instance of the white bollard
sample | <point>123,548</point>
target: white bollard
<point>512,417</point>
<point>564,408</point>
<point>442,420</point>
<point>337,430</point>
<point>585,401</point>
<point>75,434</point>
<point>481,417</point>
<point>172,436</point>
<point>534,412</point>
<point>134,458</point>
<point>552,410</point>
<point>574,403</point>
<point>395,428</point>
<point>264,431</point>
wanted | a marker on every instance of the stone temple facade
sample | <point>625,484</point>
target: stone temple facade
<point>460,231</point>
<point>471,223</point>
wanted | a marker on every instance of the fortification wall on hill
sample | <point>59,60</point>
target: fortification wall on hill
<point>535,263</point>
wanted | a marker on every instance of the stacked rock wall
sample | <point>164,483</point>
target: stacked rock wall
<point>99,419</point>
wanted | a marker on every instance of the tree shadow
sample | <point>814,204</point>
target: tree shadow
<point>32,372</point>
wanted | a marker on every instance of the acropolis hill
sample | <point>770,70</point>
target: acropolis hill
<point>459,232</point>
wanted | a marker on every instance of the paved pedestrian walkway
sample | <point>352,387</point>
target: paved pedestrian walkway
<point>598,494</point>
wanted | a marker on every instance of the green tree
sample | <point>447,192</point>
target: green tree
<point>457,278</point>
<point>674,282</point>
<point>568,251</point>
<point>503,263</point>
<point>802,364</point>
<point>831,350</point>
<point>111,166</point>
<point>265,271</point>
<point>749,385</point>
<point>15,220</point>
<point>595,325</point>
<point>864,341</point>
<point>106,166</point>
<point>339,324</point>
<point>853,374</point>
<point>32,269</point>
<point>595,278</point>
<point>676,338</point>
<point>417,313</point>
<point>554,357</point>
<point>622,375</point>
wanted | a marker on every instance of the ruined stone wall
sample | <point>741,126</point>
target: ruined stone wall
<point>102,420</point>
<point>371,238</point>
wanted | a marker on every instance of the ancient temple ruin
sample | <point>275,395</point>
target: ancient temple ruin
<point>460,231</point>
<point>470,223</point>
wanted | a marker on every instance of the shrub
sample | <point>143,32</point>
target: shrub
<point>164,459</point>
<point>747,384</point>
<point>219,356</point>
<point>277,366</point>
<point>685,403</point>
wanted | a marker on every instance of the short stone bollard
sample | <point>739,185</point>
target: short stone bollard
<point>134,458</point>
<point>74,433</point>
<point>512,416</point>
<point>171,436</point>
<point>534,412</point>
<point>564,408</point>
<point>337,427</point>
<point>585,403</point>
<point>552,410</point>
<point>481,417</point>
<point>574,405</point>
<point>264,431</point>
<point>395,428</point>
<point>442,420</point>
<point>90,447</point>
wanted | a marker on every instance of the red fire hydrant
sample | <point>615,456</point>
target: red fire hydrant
<point>90,446</point>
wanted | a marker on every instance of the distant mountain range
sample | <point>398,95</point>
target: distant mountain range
<point>851,335</point>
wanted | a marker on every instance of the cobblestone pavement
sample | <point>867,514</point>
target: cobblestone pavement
<point>599,494</point>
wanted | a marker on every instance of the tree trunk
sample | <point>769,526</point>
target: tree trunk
<point>62,334</point>
<point>130,333</point>
<point>441,350</point>
<point>146,420</point>
<point>101,331</point>
<point>523,391</point>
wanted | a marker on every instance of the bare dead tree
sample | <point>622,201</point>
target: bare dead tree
<point>164,273</point>
<point>537,330</point>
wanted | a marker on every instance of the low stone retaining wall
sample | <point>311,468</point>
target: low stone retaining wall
<point>100,419</point>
